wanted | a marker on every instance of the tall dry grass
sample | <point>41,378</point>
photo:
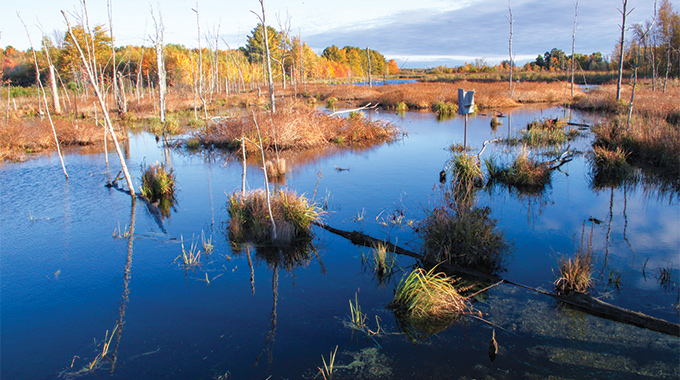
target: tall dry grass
<point>296,126</point>
<point>24,136</point>
<point>426,95</point>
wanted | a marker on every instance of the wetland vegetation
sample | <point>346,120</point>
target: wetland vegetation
<point>553,196</point>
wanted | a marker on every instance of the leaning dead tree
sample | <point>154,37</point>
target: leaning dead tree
<point>157,40</point>
<point>44,98</point>
<point>102,103</point>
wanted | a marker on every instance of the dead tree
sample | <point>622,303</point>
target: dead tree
<point>622,41</point>
<point>157,40</point>
<point>270,79</point>
<point>44,98</point>
<point>102,104</point>
<point>120,103</point>
<point>510,48</point>
<point>573,46</point>
<point>200,64</point>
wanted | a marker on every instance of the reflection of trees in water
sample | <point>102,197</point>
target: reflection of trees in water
<point>535,202</point>
<point>275,258</point>
<point>126,286</point>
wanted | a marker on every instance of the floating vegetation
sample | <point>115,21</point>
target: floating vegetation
<point>426,302</point>
<point>463,236</point>
<point>525,173</point>
<point>96,363</point>
<point>575,273</point>
<point>250,220</point>
<point>158,186</point>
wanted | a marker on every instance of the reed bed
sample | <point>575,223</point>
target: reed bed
<point>426,95</point>
<point>296,126</point>
<point>250,220</point>
<point>650,142</point>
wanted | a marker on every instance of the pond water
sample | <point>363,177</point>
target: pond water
<point>72,281</point>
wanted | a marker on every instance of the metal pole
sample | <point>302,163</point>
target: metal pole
<point>465,135</point>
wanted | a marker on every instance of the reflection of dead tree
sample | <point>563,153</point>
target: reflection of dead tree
<point>269,342</point>
<point>126,286</point>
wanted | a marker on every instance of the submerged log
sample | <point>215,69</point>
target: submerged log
<point>579,301</point>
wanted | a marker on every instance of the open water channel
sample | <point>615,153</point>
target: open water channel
<point>69,286</point>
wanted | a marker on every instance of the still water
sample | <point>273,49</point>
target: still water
<point>73,281</point>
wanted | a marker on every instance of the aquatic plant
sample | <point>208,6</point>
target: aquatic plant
<point>250,220</point>
<point>276,168</point>
<point>380,261</point>
<point>524,173</point>
<point>357,318</point>
<point>575,273</point>
<point>610,165</point>
<point>464,167</point>
<point>330,103</point>
<point>189,258</point>
<point>466,237</point>
<point>328,370</point>
<point>401,107</point>
<point>445,110</point>
<point>158,182</point>
<point>427,302</point>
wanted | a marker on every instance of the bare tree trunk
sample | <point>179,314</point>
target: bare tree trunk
<point>55,90</point>
<point>573,46</point>
<point>268,57</point>
<point>97,91</point>
<point>368,56</point>
<point>266,178</point>
<point>510,49</point>
<point>624,14</point>
<point>44,98</point>
<point>122,107</point>
<point>200,65</point>
<point>160,61</point>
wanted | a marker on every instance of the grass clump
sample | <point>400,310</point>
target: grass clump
<point>610,164</point>
<point>330,102</point>
<point>541,133</point>
<point>524,173</point>
<point>445,110</point>
<point>466,237</point>
<point>464,167</point>
<point>381,262</point>
<point>250,220</point>
<point>401,107</point>
<point>426,302</point>
<point>575,273</point>
<point>158,182</point>
<point>296,126</point>
<point>276,168</point>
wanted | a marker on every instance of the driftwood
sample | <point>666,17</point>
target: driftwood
<point>579,301</point>
<point>366,107</point>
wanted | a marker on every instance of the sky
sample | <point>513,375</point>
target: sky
<point>423,33</point>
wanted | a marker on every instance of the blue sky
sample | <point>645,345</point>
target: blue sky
<point>421,33</point>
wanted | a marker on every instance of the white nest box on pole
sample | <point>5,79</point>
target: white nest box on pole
<point>466,102</point>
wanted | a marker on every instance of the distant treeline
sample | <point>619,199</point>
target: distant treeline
<point>222,69</point>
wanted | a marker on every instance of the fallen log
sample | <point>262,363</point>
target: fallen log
<point>579,301</point>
